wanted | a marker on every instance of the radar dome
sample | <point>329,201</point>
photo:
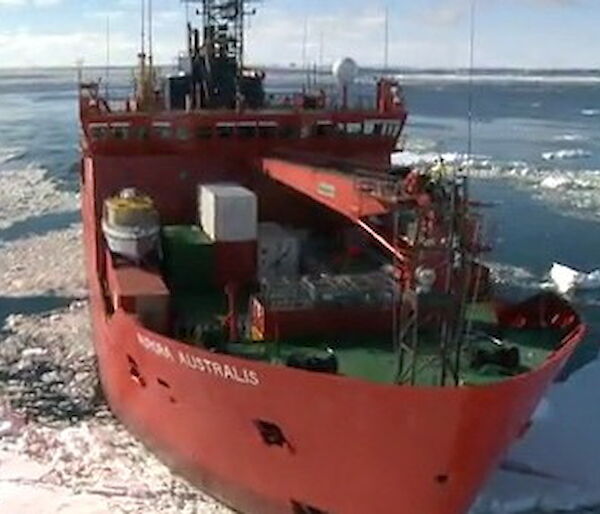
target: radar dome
<point>345,71</point>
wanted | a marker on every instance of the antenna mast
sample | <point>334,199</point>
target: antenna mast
<point>219,77</point>
<point>386,50</point>
<point>150,41</point>
<point>145,93</point>
<point>305,66</point>
<point>106,88</point>
<point>471,71</point>
<point>223,26</point>
<point>143,28</point>
<point>321,49</point>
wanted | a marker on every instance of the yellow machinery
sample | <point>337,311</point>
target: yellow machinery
<point>131,224</point>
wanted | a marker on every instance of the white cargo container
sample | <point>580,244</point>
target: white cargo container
<point>278,251</point>
<point>228,213</point>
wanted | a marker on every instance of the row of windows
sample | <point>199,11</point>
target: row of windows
<point>124,131</point>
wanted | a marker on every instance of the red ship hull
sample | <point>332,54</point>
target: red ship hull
<point>408,450</point>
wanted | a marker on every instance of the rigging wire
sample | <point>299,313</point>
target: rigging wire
<point>465,332</point>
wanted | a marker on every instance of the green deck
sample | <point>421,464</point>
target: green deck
<point>200,310</point>
<point>375,360</point>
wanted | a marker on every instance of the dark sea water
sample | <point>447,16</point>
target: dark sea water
<point>536,138</point>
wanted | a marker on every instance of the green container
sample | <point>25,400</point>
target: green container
<point>189,259</point>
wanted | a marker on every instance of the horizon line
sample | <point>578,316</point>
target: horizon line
<point>294,67</point>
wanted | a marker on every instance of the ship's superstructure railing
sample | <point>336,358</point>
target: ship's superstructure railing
<point>325,100</point>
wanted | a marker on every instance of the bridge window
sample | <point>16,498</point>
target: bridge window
<point>163,130</point>
<point>324,128</point>
<point>392,129</point>
<point>289,132</point>
<point>141,133</point>
<point>350,129</point>
<point>385,128</point>
<point>354,129</point>
<point>98,132</point>
<point>369,128</point>
<point>204,132</point>
<point>120,132</point>
<point>225,130</point>
<point>247,131</point>
<point>182,133</point>
<point>267,130</point>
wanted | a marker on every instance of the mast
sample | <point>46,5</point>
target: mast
<point>471,72</point>
<point>305,66</point>
<point>386,48</point>
<point>150,41</point>
<point>106,86</point>
<point>218,62</point>
<point>143,28</point>
<point>145,80</point>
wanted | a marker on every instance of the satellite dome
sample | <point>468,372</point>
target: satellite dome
<point>345,71</point>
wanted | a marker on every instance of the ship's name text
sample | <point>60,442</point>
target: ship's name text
<point>211,367</point>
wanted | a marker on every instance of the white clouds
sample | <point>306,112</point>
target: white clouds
<point>39,3</point>
<point>276,37</point>
<point>21,48</point>
<point>453,12</point>
<point>421,36</point>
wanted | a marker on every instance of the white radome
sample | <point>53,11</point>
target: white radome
<point>345,71</point>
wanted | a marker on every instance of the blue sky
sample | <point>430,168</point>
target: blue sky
<point>425,33</point>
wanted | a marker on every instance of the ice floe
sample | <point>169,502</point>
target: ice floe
<point>576,192</point>
<point>591,112</point>
<point>571,138</point>
<point>495,77</point>
<point>555,182</point>
<point>509,275</point>
<point>30,192</point>
<point>11,154</point>
<point>567,279</point>
<point>561,447</point>
<point>60,448</point>
<point>562,155</point>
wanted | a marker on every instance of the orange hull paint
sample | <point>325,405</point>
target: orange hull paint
<point>353,447</point>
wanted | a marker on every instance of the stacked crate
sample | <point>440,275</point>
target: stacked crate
<point>201,259</point>
<point>278,252</point>
<point>228,214</point>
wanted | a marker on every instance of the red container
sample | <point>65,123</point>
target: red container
<point>274,325</point>
<point>235,263</point>
<point>142,292</point>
